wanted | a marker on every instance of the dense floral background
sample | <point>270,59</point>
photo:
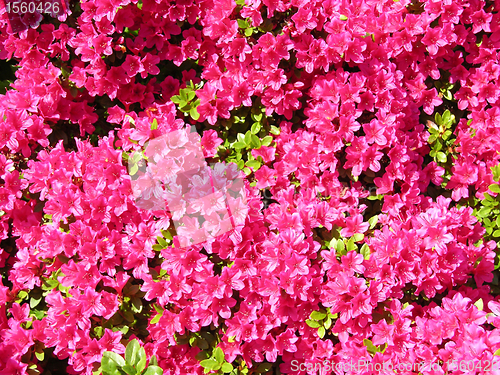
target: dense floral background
<point>368,135</point>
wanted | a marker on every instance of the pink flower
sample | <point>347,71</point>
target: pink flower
<point>430,99</point>
<point>91,303</point>
<point>210,142</point>
<point>434,39</point>
<point>132,65</point>
<point>102,44</point>
<point>481,21</point>
<point>354,224</point>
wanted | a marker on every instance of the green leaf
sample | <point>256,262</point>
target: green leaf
<point>35,301</point>
<point>154,125</point>
<point>255,128</point>
<point>321,332</point>
<point>136,303</point>
<point>447,134</point>
<point>210,364</point>
<point>248,137</point>
<point>446,116</point>
<point>497,352</point>
<point>243,24</point>
<point>176,99</point>
<point>40,356</point>
<point>438,119</point>
<point>141,364</point>
<point>219,355</point>
<point>162,241</point>
<point>158,308</point>
<point>483,212</point>
<point>249,31</point>
<point>131,351</point>
<point>494,188</point>
<point>496,233</point>
<point>343,18</point>
<point>351,246</point>
<point>167,234</point>
<point>340,247</point>
<point>365,251</point>
<point>153,361</point>
<point>194,114</point>
<point>332,243</point>
<point>358,237</point>
<point>191,95</point>
<point>109,367</point>
<point>496,172</point>
<point>183,95</point>
<point>479,304</point>
<point>313,323</point>
<point>247,171</point>
<point>318,315</point>
<point>185,107</point>
<point>441,157</point>
<point>130,370</point>
<point>114,357</point>
<point>328,323</point>
<point>202,343</point>
<point>227,368</point>
<point>133,169</point>
<point>372,349</point>
<point>255,141</point>
<point>153,370</point>
<point>267,140</point>
<point>257,117</point>
<point>239,145</point>
<point>275,130</point>
<point>156,319</point>
<point>254,164</point>
<point>373,221</point>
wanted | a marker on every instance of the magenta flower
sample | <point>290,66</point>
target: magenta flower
<point>481,21</point>
<point>430,99</point>
<point>434,39</point>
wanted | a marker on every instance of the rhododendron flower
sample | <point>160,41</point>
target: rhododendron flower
<point>434,39</point>
<point>354,225</point>
<point>430,99</point>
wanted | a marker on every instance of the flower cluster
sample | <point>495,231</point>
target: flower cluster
<point>371,125</point>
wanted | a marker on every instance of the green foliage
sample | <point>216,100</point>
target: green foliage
<point>440,138</point>
<point>248,30</point>
<point>134,362</point>
<point>372,349</point>
<point>185,101</point>
<point>487,211</point>
<point>445,89</point>
<point>322,320</point>
<point>217,363</point>
<point>249,129</point>
<point>343,245</point>
<point>373,221</point>
<point>479,304</point>
<point>365,251</point>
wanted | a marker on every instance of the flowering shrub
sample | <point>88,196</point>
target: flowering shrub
<point>367,132</point>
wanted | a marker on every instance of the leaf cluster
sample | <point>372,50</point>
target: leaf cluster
<point>134,362</point>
